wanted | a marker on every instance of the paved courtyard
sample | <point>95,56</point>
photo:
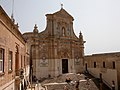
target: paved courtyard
<point>59,83</point>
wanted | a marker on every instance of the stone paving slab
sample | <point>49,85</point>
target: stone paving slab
<point>59,83</point>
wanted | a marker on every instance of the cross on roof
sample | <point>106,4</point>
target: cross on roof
<point>61,5</point>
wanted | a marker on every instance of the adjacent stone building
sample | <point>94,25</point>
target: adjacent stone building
<point>106,64</point>
<point>14,59</point>
<point>56,50</point>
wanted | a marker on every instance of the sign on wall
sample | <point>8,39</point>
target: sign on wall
<point>77,61</point>
<point>44,62</point>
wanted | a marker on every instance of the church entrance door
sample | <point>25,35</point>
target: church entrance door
<point>64,66</point>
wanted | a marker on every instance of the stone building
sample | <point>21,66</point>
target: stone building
<point>107,64</point>
<point>13,54</point>
<point>56,50</point>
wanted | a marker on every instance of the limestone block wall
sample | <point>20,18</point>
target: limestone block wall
<point>10,41</point>
<point>106,63</point>
<point>41,71</point>
<point>108,75</point>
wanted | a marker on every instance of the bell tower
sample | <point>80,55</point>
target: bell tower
<point>81,45</point>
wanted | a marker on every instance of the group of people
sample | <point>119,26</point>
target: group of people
<point>69,81</point>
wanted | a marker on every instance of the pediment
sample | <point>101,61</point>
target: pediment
<point>63,13</point>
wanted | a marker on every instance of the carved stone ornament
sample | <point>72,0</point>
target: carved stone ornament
<point>44,62</point>
<point>77,61</point>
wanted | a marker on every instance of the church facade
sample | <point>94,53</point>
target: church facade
<point>56,50</point>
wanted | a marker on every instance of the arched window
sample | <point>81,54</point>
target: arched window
<point>63,31</point>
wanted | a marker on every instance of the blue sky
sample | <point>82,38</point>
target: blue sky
<point>99,20</point>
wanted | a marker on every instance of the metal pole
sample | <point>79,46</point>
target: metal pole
<point>12,15</point>
<point>101,82</point>
<point>31,66</point>
<point>31,79</point>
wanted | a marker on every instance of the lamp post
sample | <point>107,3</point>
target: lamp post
<point>31,77</point>
<point>31,66</point>
<point>113,85</point>
<point>101,82</point>
<point>21,78</point>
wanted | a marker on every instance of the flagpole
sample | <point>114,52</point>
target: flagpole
<point>12,15</point>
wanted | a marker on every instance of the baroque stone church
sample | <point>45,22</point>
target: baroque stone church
<point>56,50</point>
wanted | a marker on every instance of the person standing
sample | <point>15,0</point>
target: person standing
<point>113,85</point>
<point>77,85</point>
<point>65,87</point>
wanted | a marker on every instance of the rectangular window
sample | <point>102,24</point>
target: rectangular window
<point>1,60</point>
<point>103,64</point>
<point>113,65</point>
<point>10,61</point>
<point>94,64</point>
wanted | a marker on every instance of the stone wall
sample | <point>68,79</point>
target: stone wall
<point>11,40</point>
<point>107,64</point>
